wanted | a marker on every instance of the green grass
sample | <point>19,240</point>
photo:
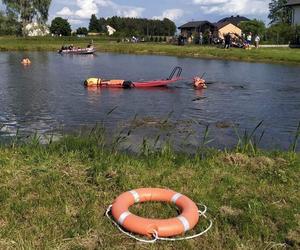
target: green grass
<point>54,196</point>
<point>8,43</point>
<point>274,55</point>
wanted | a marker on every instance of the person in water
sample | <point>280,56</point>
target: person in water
<point>199,83</point>
<point>26,61</point>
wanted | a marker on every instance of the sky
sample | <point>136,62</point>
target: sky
<point>78,12</point>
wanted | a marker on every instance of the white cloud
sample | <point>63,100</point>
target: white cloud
<point>172,14</point>
<point>105,3</point>
<point>121,10</point>
<point>209,2</point>
<point>129,12</point>
<point>75,21</point>
<point>88,7</point>
<point>65,11</point>
<point>242,7</point>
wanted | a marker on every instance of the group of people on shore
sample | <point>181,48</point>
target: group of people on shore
<point>241,42</point>
<point>249,40</point>
<point>229,40</point>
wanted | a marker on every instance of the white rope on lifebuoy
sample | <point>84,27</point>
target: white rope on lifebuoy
<point>155,234</point>
<point>202,213</point>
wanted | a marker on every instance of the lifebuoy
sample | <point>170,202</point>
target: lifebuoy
<point>187,220</point>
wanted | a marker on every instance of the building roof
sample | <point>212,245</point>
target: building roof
<point>194,24</point>
<point>222,25</point>
<point>111,28</point>
<point>293,2</point>
<point>234,19</point>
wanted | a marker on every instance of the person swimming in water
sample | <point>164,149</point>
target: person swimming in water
<point>199,83</point>
<point>26,61</point>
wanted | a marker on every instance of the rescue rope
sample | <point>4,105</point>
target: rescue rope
<point>155,233</point>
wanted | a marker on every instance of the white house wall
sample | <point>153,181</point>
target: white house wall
<point>296,15</point>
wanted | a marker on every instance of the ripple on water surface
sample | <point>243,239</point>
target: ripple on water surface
<point>49,95</point>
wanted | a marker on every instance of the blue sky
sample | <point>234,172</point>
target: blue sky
<point>78,12</point>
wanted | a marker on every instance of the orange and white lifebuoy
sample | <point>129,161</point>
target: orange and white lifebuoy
<point>187,220</point>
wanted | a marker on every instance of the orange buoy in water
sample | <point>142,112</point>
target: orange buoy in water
<point>187,220</point>
<point>26,61</point>
<point>199,83</point>
<point>98,82</point>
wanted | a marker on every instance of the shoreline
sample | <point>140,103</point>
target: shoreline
<point>262,55</point>
<point>54,192</point>
<point>55,195</point>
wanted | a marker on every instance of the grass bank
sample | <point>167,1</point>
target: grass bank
<point>274,55</point>
<point>55,196</point>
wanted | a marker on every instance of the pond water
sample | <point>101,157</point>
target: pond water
<point>49,97</point>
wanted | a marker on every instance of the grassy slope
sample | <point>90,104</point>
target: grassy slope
<point>277,55</point>
<point>54,197</point>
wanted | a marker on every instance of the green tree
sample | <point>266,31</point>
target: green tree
<point>279,12</point>
<point>102,25</point>
<point>94,24</point>
<point>169,27</point>
<point>42,10</point>
<point>142,26</point>
<point>27,10</point>
<point>254,26</point>
<point>9,25</point>
<point>82,31</point>
<point>60,26</point>
<point>281,33</point>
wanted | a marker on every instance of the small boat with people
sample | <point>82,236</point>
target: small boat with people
<point>90,49</point>
<point>127,84</point>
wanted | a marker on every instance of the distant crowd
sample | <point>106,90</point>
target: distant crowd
<point>233,40</point>
<point>230,40</point>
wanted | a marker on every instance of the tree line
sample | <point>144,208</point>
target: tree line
<point>126,26</point>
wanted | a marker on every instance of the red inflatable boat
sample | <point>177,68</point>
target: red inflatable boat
<point>98,82</point>
<point>155,83</point>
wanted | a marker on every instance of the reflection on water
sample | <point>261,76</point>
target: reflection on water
<point>49,95</point>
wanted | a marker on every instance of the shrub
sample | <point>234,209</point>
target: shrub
<point>60,26</point>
